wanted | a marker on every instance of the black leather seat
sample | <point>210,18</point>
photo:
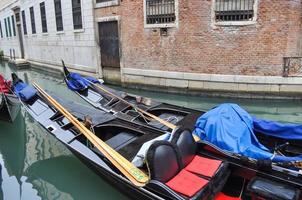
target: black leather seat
<point>169,178</point>
<point>215,171</point>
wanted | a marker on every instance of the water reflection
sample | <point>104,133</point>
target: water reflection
<point>34,165</point>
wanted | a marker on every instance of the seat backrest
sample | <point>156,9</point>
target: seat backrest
<point>186,145</point>
<point>163,161</point>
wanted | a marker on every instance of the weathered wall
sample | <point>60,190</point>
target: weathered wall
<point>77,47</point>
<point>198,46</point>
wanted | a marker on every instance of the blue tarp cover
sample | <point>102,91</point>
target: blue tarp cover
<point>78,83</point>
<point>231,128</point>
<point>24,91</point>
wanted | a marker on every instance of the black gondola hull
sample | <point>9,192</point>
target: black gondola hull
<point>9,107</point>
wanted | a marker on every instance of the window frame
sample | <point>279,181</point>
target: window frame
<point>32,20</point>
<point>14,25</point>
<point>163,25</point>
<point>58,15</point>
<point>43,17</point>
<point>6,29</point>
<point>107,3</point>
<point>9,27</point>
<point>1,32</point>
<point>235,23</point>
<point>80,26</point>
<point>24,22</point>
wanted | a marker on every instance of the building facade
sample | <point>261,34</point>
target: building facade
<point>48,31</point>
<point>232,45</point>
<point>209,45</point>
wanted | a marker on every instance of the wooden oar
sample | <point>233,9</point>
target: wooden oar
<point>135,175</point>
<point>162,121</point>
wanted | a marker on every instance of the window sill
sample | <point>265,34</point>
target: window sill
<point>172,25</point>
<point>34,35</point>
<point>60,32</point>
<point>79,30</point>
<point>44,34</point>
<point>107,4</point>
<point>235,23</point>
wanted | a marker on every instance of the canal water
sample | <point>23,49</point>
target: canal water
<point>34,165</point>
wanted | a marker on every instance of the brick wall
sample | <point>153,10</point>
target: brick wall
<point>197,45</point>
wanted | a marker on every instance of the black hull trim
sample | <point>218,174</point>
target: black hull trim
<point>9,107</point>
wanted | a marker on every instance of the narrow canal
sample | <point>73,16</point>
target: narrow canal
<point>37,166</point>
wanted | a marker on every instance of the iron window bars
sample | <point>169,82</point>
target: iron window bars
<point>234,10</point>
<point>160,11</point>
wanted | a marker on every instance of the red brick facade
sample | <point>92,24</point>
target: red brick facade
<point>197,45</point>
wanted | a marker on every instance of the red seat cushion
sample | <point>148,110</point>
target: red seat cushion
<point>203,166</point>
<point>221,196</point>
<point>186,183</point>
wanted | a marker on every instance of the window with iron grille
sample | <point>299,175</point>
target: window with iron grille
<point>77,14</point>
<point>58,12</point>
<point>1,33</point>
<point>43,17</point>
<point>234,10</point>
<point>9,27</point>
<point>160,11</point>
<point>14,25</point>
<point>24,23</point>
<point>32,19</point>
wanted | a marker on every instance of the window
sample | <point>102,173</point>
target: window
<point>6,32</point>
<point>58,12</point>
<point>9,27</point>
<point>160,11</point>
<point>77,15</point>
<point>32,19</point>
<point>234,10</point>
<point>24,22</point>
<point>14,26</point>
<point>43,17</point>
<point>1,33</point>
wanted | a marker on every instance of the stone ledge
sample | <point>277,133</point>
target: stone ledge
<point>214,77</point>
<point>226,85</point>
<point>85,71</point>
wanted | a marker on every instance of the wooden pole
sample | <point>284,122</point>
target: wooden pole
<point>164,122</point>
<point>135,175</point>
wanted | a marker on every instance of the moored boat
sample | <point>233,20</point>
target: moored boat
<point>285,170</point>
<point>176,167</point>
<point>9,103</point>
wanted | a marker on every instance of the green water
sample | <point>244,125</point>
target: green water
<point>36,166</point>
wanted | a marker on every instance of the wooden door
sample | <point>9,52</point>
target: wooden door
<point>109,44</point>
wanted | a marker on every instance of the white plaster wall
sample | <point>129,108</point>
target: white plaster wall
<point>7,43</point>
<point>78,48</point>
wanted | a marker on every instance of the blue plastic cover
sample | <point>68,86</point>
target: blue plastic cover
<point>231,129</point>
<point>24,91</point>
<point>76,82</point>
<point>277,129</point>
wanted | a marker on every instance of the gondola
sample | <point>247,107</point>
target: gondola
<point>177,168</point>
<point>9,103</point>
<point>91,91</point>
